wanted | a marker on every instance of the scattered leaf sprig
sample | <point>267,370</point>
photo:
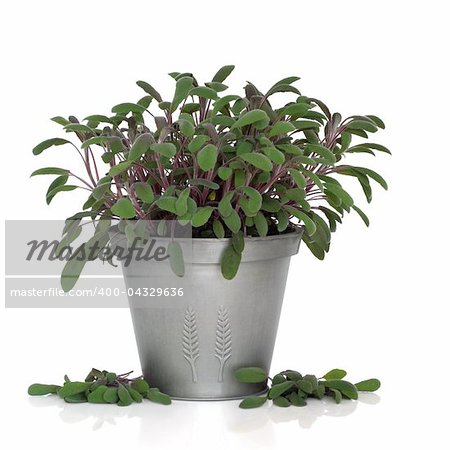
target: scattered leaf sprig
<point>287,388</point>
<point>101,386</point>
<point>292,388</point>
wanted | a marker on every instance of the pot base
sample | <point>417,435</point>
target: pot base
<point>219,399</point>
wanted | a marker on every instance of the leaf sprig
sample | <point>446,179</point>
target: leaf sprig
<point>292,388</point>
<point>103,387</point>
<point>287,388</point>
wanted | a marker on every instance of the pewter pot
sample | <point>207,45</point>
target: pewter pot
<point>190,343</point>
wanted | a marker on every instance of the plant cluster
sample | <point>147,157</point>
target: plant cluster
<point>103,387</point>
<point>228,164</point>
<point>291,388</point>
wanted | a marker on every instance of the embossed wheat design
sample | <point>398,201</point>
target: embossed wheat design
<point>223,340</point>
<point>190,340</point>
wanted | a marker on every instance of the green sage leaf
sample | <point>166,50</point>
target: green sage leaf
<point>119,168</point>
<point>124,209</point>
<point>186,127</point>
<point>335,374</point>
<point>167,203</point>
<point>79,128</point>
<point>233,221</point>
<point>296,399</point>
<point>346,388</point>
<point>218,229</point>
<point>135,395</point>
<point>97,395</point>
<point>280,128</point>
<point>222,74</point>
<point>207,157</point>
<point>307,221</point>
<point>125,108</point>
<point>305,386</point>
<point>278,389</point>
<point>166,149</point>
<point>110,395</point>
<point>124,396</point>
<point>203,91</point>
<point>197,143</point>
<point>251,375</point>
<point>43,389</point>
<point>156,396</point>
<point>49,143</point>
<point>225,207</point>
<point>201,216</point>
<point>252,402</point>
<point>150,90</point>
<point>222,102</point>
<point>302,125</point>
<point>144,192</point>
<point>282,402</point>
<point>370,385</point>
<point>181,205</point>
<point>238,242</point>
<point>60,120</point>
<point>250,117</point>
<point>361,214</point>
<point>362,125</point>
<point>73,387</point>
<point>61,188</point>
<point>140,146</point>
<point>50,171</point>
<point>325,153</point>
<point>261,224</point>
<point>176,258</point>
<point>230,262</point>
<point>205,183</point>
<point>258,160</point>
<point>224,173</point>
<point>140,385</point>
<point>337,395</point>
<point>182,89</point>
<point>76,398</point>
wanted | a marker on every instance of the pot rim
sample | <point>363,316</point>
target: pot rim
<point>284,235</point>
<point>210,250</point>
<point>290,234</point>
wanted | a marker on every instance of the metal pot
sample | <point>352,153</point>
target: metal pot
<point>191,344</point>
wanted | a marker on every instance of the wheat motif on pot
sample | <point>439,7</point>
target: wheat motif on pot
<point>223,340</point>
<point>190,340</point>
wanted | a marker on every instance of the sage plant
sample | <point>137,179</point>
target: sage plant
<point>233,166</point>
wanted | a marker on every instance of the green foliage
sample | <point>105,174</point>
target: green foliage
<point>251,375</point>
<point>103,387</point>
<point>228,163</point>
<point>287,388</point>
<point>335,374</point>
<point>368,385</point>
<point>156,396</point>
<point>252,402</point>
<point>291,388</point>
<point>43,389</point>
<point>230,262</point>
<point>123,208</point>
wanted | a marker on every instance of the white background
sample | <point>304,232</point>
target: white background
<point>376,306</point>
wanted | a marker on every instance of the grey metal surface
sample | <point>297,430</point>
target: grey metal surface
<point>190,346</point>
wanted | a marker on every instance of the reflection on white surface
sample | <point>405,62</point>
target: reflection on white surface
<point>164,425</point>
<point>369,398</point>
